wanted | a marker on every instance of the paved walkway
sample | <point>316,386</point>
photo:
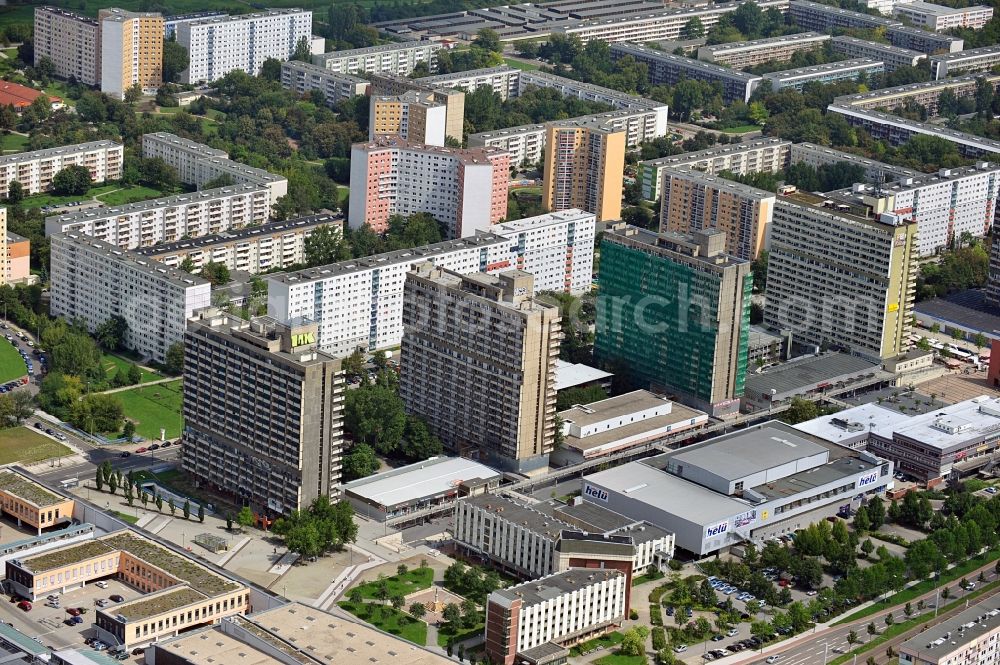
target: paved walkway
<point>141,385</point>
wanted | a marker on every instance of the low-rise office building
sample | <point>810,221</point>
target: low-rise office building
<point>398,58</point>
<point>93,281</point>
<point>668,69</point>
<point>534,622</point>
<point>17,258</point>
<point>969,636</point>
<point>948,440</point>
<point>262,411</point>
<point>413,116</point>
<point>37,169</point>
<point>28,503</point>
<point>853,427</point>
<point>892,57</point>
<point>983,59</point>
<point>740,55</point>
<point>940,17</point>
<point>438,481</point>
<point>252,249</point>
<point>619,423</point>
<point>692,201</point>
<point>463,189</point>
<point>831,72</point>
<point>304,77</point>
<point>809,377</point>
<point>766,155</point>
<point>765,347</point>
<point>208,212</point>
<point>721,492</point>
<point>179,592</point>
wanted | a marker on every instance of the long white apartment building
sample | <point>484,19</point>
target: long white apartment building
<point>768,155</point>
<point>253,249</point>
<point>965,62</point>
<point>945,205</point>
<point>586,91</point>
<point>398,59</point>
<point>939,17</point>
<point>892,57</point>
<point>94,281</point>
<point>669,69</point>
<point>37,169</point>
<point>71,41</point>
<point>503,80</point>
<point>168,219</point>
<point>526,143</point>
<point>219,45</point>
<point>830,72</point>
<point>303,77</point>
<point>740,55</point>
<point>359,303</point>
<point>820,155</point>
<point>197,164</point>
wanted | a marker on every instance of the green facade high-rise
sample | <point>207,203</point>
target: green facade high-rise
<point>674,314</point>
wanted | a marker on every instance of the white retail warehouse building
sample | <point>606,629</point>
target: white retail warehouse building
<point>719,493</point>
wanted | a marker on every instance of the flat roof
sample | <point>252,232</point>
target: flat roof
<point>716,152</point>
<point>594,518</point>
<point>558,584</point>
<point>742,453</point>
<point>577,374</point>
<point>953,425</point>
<point>824,69</point>
<point>966,626</point>
<point>937,10</point>
<point>672,245</point>
<point>968,309</point>
<point>139,263</point>
<point>796,38</point>
<point>274,227</point>
<point>29,490</point>
<point>968,54</point>
<point>13,636</point>
<point>533,517</point>
<point>541,221</point>
<point>836,469</point>
<point>850,423</point>
<point>74,149</point>
<point>719,183</point>
<point>614,407</point>
<point>210,646</point>
<point>168,599</point>
<point>684,62</point>
<point>878,46</point>
<point>435,476</point>
<point>805,373</point>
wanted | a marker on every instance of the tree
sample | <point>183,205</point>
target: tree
<point>418,442</point>
<point>761,630</point>
<point>638,216</point>
<point>800,411</point>
<point>867,547</point>
<point>979,339</point>
<point>129,495</point>
<point>201,514</point>
<point>245,517</point>
<point>302,52</point>
<point>861,521</point>
<point>418,610</point>
<point>111,334</point>
<point>270,70</point>
<point>158,500</point>
<point>375,415</point>
<point>452,614</point>
<point>73,180</point>
<point>852,638</point>
<point>360,462</point>
<point>175,358</point>
<point>355,596</point>
<point>216,273</point>
<point>889,619</point>
<point>156,173</point>
<point>172,506</point>
<point>693,29</point>
<point>187,509</point>
<point>99,479</point>
<point>908,610</point>
<point>229,521</point>
<point>634,641</point>
<point>488,40</point>
<point>175,60</point>
<point>128,431</point>
<point>133,94</point>
<point>872,629</point>
<point>15,192</point>
<point>326,244</point>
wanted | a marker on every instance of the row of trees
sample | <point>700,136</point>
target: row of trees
<point>113,479</point>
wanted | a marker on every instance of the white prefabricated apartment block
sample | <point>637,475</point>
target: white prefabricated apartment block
<point>36,170</point>
<point>398,58</point>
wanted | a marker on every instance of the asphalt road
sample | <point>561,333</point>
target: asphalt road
<point>827,644</point>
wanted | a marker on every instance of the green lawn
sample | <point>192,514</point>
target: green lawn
<point>13,142</point>
<point>413,580</point>
<point>11,364</point>
<point>445,633</point>
<point>112,363</point>
<point>20,444</point>
<point>11,53</point>
<point>127,195</point>
<point>39,200</point>
<point>618,659</point>
<point>153,407</point>
<point>390,620</point>
<point>741,129</point>
<point>518,64</point>
<point>60,90</point>
<point>17,14</point>
<point>130,519</point>
<point>609,640</point>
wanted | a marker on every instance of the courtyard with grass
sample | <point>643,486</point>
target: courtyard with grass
<point>113,363</point>
<point>13,143</point>
<point>154,407</point>
<point>11,363</point>
<point>130,194</point>
<point>42,200</point>
<point>21,444</point>
<point>389,619</point>
<point>399,585</point>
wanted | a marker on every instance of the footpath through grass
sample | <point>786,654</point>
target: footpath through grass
<point>906,595</point>
<point>113,363</point>
<point>897,629</point>
<point>21,444</point>
<point>41,200</point>
<point>154,407</point>
<point>11,363</point>
<point>390,620</point>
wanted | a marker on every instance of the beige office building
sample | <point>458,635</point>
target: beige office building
<point>842,275</point>
<point>71,41</point>
<point>131,51</point>
<point>584,162</point>
<point>262,411</point>
<point>693,201</point>
<point>478,364</point>
<point>414,116</point>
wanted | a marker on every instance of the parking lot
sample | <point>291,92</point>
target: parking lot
<point>53,626</point>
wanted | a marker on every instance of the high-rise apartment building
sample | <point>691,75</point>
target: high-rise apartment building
<point>693,201</point>
<point>359,303</point>
<point>675,314</point>
<point>466,190</point>
<point>219,45</point>
<point>71,41</point>
<point>37,169</point>
<point>993,277</point>
<point>584,162</point>
<point>478,364</point>
<point>454,100</point>
<point>414,116</point>
<point>94,281</point>
<point>262,411</point>
<point>842,275</point>
<point>131,51</point>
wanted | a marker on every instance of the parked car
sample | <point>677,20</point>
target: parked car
<point>116,598</point>
<point>25,605</point>
<point>166,444</point>
<point>76,619</point>
<point>680,648</point>
<point>101,584</point>
<point>732,632</point>
<point>773,659</point>
<point>155,446</point>
<point>718,637</point>
<point>140,450</point>
<point>125,454</point>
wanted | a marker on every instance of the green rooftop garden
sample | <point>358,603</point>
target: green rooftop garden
<point>151,606</point>
<point>66,556</point>
<point>180,567</point>
<point>25,489</point>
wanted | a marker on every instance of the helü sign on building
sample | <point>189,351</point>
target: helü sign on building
<point>595,493</point>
